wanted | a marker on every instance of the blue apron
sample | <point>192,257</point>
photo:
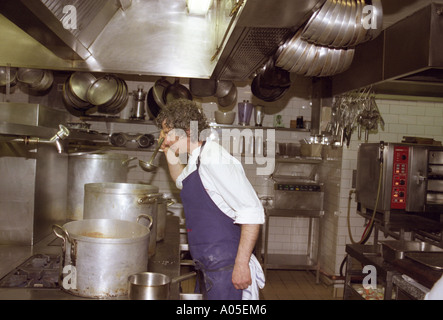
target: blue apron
<point>213,239</point>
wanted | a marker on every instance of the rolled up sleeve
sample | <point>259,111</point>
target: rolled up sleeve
<point>233,193</point>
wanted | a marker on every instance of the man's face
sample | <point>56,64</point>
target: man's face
<point>176,139</point>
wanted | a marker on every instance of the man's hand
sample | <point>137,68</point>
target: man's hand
<point>241,276</point>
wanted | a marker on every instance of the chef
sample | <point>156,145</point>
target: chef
<point>223,213</point>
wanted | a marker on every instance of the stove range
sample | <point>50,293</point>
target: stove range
<point>39,271</point>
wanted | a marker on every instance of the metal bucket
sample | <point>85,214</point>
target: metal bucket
<point>123,201</point>
<point>86,168</point>
<point>98,256</point>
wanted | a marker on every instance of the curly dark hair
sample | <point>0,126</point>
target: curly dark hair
<point>179,113</point>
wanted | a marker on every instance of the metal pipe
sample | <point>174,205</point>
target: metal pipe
<point>55,140</point>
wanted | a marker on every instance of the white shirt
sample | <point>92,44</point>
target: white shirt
<point>224,179</point>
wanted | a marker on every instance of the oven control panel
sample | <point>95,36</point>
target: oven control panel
<point>296,187</point>
<point>399,177</point>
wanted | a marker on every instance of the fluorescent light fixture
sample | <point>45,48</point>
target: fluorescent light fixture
<point>198,7</point>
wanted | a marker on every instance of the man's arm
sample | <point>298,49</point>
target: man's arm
<point>241,275</point>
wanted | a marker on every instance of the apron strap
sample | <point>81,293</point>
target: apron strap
<point>202,271</point>
<point>198,159</point>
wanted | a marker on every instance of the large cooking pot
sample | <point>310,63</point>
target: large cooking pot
<point>98,256</point>
<point>152,286</point>
<point>86,168</point>
<point>123,201</point>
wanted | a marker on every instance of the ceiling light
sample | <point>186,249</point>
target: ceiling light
<point>198,7</point>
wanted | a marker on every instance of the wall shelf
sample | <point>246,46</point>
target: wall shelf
<point>212,125</point>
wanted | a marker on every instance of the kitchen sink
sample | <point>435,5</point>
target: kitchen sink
<point>396,249</point>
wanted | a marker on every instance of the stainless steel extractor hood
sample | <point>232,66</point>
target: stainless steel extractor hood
<point>155,37</point>
<point>406,59</point>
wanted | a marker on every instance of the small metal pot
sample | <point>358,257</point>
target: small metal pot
<point>152,286</point>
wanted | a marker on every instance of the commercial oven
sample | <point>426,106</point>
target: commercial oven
<point>406,177</point>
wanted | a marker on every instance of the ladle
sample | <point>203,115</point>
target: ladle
<point>149,166</point>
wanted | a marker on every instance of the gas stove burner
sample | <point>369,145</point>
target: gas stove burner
<point>39,271</point>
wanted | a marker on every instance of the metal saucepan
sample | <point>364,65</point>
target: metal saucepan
<point>223,88</point>
<point>176,91</point>
<point>266,94</point>
<point>314,25</point>
<point>158,91</point>
<point>103,90</point>
<point>153,107</point>
<point>79,83</point>
<point>274,76</point>
<point>45,83</point>
<point>228,99</point>
<point>346,27</point>
<point>149,166</point>
<point>202,87</point>
<point>30,77</point>
<point>35,79</point>
<point>152,286</point>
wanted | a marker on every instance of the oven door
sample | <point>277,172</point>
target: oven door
<point>417,179</point>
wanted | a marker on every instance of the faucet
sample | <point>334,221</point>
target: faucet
<point>56,139</point>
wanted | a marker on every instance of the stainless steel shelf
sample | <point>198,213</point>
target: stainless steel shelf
<point>301,160</point>
<point>116,120</point>
<point>308,261</point>
<point>293,261</point>
<point>212,125</point>
<point>234,126</point>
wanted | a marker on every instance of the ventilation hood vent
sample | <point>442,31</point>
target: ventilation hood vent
<point>406,59</point>
<point>153,38</point>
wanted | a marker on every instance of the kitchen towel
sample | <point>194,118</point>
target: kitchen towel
<point>258,280</point>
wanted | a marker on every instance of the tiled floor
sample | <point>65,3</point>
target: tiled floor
<point>287,285</point>
<point>294,285</point>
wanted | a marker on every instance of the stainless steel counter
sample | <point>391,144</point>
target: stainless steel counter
<point>166,260</point>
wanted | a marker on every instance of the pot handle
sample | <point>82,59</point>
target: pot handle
<point>126,162</point>
<point>146,216</point>
<point>149,198</point>
<point>169,202</point>
<point>64,235</point>
<point>184,277</point>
